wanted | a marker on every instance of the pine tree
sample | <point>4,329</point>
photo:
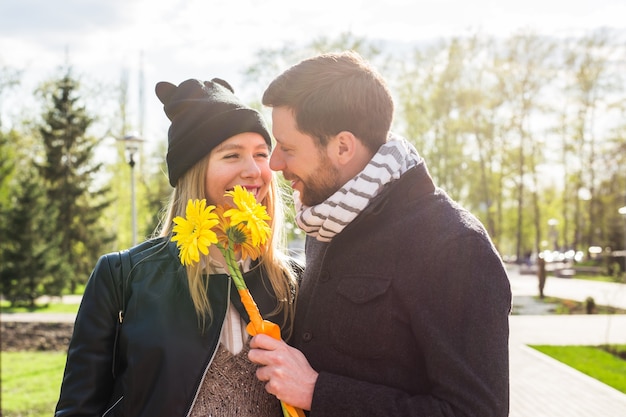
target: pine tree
<point>31,263</point>
<point>69,172</point>
<point>7,167</point>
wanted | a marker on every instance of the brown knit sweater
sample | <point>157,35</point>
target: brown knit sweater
<point>230,388</point>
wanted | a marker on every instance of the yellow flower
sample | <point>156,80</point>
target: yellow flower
<point>243,230</point>
<point>246,247</point>
<point>194,233</point>
<point>250,213</point>
<point>223,223</point>
<point>237,237</point>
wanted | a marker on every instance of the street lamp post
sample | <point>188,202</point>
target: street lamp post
<point>131,143</point>
<point>622,211</point>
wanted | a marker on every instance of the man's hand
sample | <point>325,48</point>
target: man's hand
<point>285,370</point>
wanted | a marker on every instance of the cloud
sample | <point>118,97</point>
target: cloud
<point>180,39</point>
<point>40,19</point>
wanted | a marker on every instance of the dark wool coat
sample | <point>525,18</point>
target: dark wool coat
<point>405,312</point>
<point>163,352</point>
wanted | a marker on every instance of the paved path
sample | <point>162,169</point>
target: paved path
<point>540,385</point>
<point>604,293</point>
<point>45,317</point>
<point>544,387</point>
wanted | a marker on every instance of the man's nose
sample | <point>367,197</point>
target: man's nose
<point>277,163</point>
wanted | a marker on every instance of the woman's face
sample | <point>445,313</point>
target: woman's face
<point>243,160</point>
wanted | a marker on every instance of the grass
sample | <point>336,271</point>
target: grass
<point>599,278</point>
<point>595,361</point>
<point>30,383</point>
<point>47,308</point>
<point>564,306</point>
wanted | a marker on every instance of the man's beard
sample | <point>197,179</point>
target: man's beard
<point>318,187</point>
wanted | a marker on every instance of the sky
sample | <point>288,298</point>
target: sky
<point>181,39</point>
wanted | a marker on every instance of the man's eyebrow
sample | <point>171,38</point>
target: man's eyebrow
<point>282,142</point>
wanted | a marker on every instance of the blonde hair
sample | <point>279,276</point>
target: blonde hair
<point>274,262</point>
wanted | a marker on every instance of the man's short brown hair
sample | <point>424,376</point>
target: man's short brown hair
<point>337,92</point>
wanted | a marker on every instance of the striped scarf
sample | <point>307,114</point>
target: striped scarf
<point>330,217</point>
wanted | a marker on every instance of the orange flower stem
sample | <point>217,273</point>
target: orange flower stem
<point>291,411</point>
<point>257,325</point>
<point>252,309</point>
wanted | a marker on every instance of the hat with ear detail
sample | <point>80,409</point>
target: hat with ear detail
<point>203,114</point>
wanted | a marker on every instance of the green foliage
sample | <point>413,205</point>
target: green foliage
<point>491,116</point>
<point>600,278</point>
<point>69,171</point>
<point>152,195</point>
<point>117,215</point>
<point>7,167</point>
<point>565,306</point>
<point>31,260</point>
<point>30,382</point>
<point>593,361</point>
<point>156,194</point>
<point>55,307</point>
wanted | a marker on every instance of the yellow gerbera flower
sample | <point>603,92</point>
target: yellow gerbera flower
<point>242,230</point>
<point>244,243</point>
<point>249,212</point>
<point>193,233</point>
<point>222,226</point>
<point>237,237</point>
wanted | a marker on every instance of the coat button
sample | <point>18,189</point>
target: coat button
<point>307,336</point>
<point>325,276</point>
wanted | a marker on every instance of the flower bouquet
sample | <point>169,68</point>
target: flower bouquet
<point>240,231</point>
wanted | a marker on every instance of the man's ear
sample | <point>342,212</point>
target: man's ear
<point>343,148</point>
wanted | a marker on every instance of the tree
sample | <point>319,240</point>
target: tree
<point>31,264</point>
<point>593,86</point>
<point>429,102</point>
<point>523,72</point>
<point>480,102</point>
<point>7,168</point>
<point>492,117</point>
<point>7,165</point>
<point>448,102</point>
<point>9,78</point>
<point>69,173</point>
<point>157,192</point>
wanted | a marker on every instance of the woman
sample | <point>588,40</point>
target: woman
<point>182,347</point>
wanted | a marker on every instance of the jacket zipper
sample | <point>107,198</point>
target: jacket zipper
<point>112,407</point>
<point>195,397</point>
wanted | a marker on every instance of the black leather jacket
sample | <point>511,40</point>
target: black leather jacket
<point>163,353</point>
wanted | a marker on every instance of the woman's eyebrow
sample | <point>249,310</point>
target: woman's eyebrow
<point>236,146</point>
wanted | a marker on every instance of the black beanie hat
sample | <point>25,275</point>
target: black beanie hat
<point>203,115</point>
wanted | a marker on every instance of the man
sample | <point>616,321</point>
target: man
<point>403,307</point>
